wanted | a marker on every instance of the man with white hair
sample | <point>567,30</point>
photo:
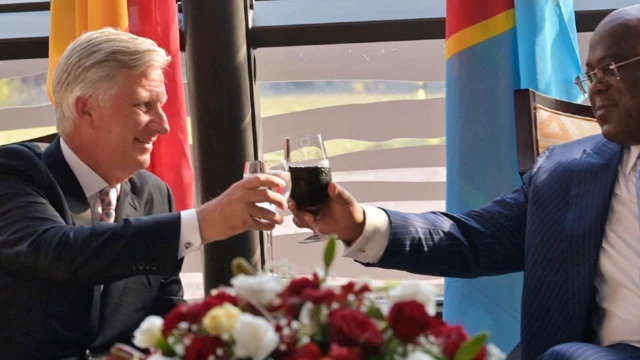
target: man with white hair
<point>89,243</point>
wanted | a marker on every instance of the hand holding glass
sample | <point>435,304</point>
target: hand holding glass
<point>310,176</point>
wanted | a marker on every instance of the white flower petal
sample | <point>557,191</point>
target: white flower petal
<point>149,332</point>
<point>254,337</point>
<point>260,288</point>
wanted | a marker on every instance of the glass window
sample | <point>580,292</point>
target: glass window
<point>24,24</point>
<point>380,108</point>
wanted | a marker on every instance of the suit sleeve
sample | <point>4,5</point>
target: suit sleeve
<point>482,242</point>
<point>35,241</point>
<point>171,291</point>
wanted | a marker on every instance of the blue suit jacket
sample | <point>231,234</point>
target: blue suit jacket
<point>551,227</point>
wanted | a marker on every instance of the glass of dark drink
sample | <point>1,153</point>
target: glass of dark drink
<point>310,176</point>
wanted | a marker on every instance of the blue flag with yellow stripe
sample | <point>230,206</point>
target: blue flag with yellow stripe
<point>492,48</point>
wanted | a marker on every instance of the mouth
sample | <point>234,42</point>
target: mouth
<point>145,142</point>
<point>604,106</point>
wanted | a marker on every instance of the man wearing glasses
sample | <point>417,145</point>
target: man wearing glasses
<point>572,227</point>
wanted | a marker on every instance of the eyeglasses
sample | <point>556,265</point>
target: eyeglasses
<point>606,73</point>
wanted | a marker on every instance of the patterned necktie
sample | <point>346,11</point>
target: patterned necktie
<point>108,198</point>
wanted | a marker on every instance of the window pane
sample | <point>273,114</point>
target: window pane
<point>24,24</point>
<point>380,108</point>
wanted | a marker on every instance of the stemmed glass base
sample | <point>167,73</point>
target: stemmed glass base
<point>315,237</point>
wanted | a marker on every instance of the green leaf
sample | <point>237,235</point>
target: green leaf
<point>470,348</point>
<point>240,265</point>
<point>166,349</point>
<point>374,312</point>
<point>329,254</point>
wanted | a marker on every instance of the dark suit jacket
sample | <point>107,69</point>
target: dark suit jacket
<point>551,228</point>
<point>52,258</point>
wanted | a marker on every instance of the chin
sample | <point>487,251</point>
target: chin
<point>614,136</point>
<point>143,162</point>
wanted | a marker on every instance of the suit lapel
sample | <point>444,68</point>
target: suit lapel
<point>68,182</point>
<point>594,177</point>
<point>128,204</point>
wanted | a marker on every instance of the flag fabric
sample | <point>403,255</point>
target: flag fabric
<point>493,48</point>
<point>171,156</point>
<point>72,18</point>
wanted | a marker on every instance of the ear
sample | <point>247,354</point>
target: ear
<point>84,108</point>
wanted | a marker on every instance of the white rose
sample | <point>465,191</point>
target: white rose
<point>255,337</point>
<point>261,288</point>
<point>418,291</point>
<point>419,355</point>
<point>149,332</point>
<point>221,319</point>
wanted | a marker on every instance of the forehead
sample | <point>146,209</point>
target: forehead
<point>615,39</point>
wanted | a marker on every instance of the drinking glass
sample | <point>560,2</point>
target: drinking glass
<point>308,165</point>
<point>276,168</point>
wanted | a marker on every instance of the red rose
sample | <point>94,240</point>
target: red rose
<point>353,288</point>
<point>434,324</point>
<point>193,313</point>
<point>351,328</point>
<point>337,352</point>
<point>408,320</point>
<point>182,312</point>
<point>319,296</point>
<point>206,346</point>
<point>482,355</point>
<point>297,286</point>
<point>309,351</point>
<point>450,338</point>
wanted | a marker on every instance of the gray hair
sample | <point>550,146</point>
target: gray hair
<point>91,65</point>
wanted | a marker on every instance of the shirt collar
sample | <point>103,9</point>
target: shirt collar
<point>630,158</point>
<point>90,182</point>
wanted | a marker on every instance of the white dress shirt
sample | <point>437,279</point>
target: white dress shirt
<point>618,276</point>
<point>92,183</point>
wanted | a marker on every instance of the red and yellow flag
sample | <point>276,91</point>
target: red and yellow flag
<point>71,18</point>
<point>171,156</point>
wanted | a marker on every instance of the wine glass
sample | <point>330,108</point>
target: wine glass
<point>310,176</point>
<point>276,168</point>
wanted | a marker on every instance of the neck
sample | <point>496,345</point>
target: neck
<point>87,153</point>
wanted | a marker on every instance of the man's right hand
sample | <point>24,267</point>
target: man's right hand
<point>341,215</point>
<point>235,210</point>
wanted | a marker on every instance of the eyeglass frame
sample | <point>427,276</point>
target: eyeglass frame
<point>579,81</point>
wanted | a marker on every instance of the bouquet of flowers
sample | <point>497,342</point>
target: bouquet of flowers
<point>261,317</point>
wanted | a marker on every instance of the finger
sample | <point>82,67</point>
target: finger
<point>301,223</point>
<point>262,180</point>
<point>292,205</point>
<point>265,196</point>
<point>260,213</point>
<point>255,224</point>
<point>340,195</point>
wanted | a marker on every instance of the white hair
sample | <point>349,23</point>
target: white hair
<point>91,65</point>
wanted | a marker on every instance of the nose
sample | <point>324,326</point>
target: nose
<point>160,123</point>
<point>599,85</point>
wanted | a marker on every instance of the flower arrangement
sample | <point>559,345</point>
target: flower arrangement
<point>261,317</point>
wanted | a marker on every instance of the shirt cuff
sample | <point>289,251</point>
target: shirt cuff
<point>190,240</point>
<point>370,246</point>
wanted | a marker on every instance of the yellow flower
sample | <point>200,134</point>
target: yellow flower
<point>221,319</point>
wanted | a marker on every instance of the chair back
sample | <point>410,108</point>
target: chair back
<point>543,121</point>
<point>42,141</point>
